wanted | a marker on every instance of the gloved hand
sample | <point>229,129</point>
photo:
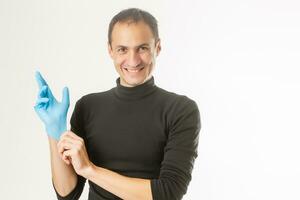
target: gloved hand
<point>50,111</point>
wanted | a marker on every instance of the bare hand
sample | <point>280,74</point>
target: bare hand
<point>72,150</point>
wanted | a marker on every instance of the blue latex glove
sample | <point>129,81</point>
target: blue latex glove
<point>49,110</point>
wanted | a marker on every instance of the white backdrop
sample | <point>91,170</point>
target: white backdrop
<point>238,59</point>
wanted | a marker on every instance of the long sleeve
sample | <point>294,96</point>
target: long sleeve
<point>179,154</point>
<point>75,193</point>
<point>77,126</point>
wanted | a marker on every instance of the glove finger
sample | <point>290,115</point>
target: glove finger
<point>42,103</point>
<point>40,106</point>
<point>40,80</point>
<point>41,83</point>
<point>46,93</point>
<point>66,97</point>
<point>50,95</point>
<point>43,92</point>
<point>42,100</point>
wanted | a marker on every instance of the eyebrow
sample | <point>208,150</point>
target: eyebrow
<point>144,44</point>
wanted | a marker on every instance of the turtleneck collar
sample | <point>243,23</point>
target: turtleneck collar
<point>135,93</point>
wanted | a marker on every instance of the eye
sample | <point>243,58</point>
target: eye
<point>121,50</point>
<point>143,49</point>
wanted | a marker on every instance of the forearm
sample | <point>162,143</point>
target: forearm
<point>63,176</point>
<point>122,186</point>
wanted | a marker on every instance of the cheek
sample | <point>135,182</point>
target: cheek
<point>147,59</point>
<point>119,60</point>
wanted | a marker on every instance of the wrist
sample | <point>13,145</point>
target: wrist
<point>90,171</point>
<point>52,140</point>
<point>55,131</point>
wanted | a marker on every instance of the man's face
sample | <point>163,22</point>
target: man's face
<point>133,51</point>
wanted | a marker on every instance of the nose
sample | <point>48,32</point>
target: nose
<point>133,59</point>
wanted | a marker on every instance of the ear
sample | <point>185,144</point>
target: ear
<point>109,48</point>
<point>158,47</point>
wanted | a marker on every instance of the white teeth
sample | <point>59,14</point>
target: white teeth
<point>133,70</point>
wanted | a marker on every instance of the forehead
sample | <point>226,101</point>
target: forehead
<point>131,34</point>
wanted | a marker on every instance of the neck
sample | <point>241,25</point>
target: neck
<point>125,84</point>
<point>135,92</point>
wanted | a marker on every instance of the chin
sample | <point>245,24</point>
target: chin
<point>133,79</point>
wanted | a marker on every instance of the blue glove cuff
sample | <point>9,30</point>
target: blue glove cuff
<point>55,131</point>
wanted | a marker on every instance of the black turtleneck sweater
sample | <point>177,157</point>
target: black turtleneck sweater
<point>142,132</point>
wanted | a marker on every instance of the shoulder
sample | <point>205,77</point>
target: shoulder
<point>176,100</point>
<point>95,97</point>
<point>182,112</point>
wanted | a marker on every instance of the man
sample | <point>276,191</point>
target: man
<point>134,141</point>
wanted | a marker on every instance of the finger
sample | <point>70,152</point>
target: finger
<point>63,145</point>
<point>40,103</point>
<point>71,136</point>
<point>67,136</point>
<point>68,142</point>
<point>46,92</point>
<point>75,142</point>
<point>69,153</point>
<point>67,156</point>
<point>66,97</point>
<point>40,80</point>
<point>62,135</point>
<point>43,91</point>
<point>61,149</point>
<point>42,100</point>
<point>66,159</point>
<point>37,108</point>
<point>74,136</point>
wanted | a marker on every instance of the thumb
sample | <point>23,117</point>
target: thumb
<point>65,97</point>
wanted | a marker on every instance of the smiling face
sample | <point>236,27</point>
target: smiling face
<point>133,51</point>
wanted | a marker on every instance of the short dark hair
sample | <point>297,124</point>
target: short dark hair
<point>134,15</point>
